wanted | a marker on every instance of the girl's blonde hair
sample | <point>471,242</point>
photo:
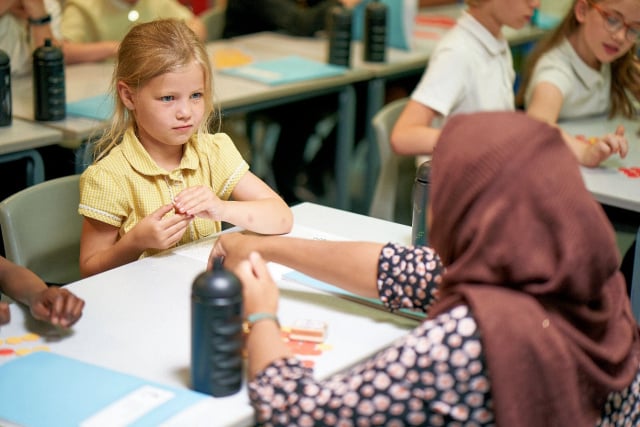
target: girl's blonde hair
<point>148,50</point>
<point>625,71</point>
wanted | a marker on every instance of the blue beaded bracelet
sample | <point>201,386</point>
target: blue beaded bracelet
<point>252,319</point>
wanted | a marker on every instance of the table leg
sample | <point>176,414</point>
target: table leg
<point>344,150</point>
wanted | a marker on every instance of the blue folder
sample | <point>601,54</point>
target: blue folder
<point>49,390</point>
<point>97,107</point>
<point>289,69</point>
<point>303,279</point>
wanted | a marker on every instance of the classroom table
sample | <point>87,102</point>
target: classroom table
<point>20,139</point>
<point>137,317</point>
<point>609,184</point>
<point>398,64</point>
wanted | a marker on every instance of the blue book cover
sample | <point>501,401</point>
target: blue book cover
<point>50,390</point>
<point>289,69</point>
<point>303,279</point>
<point>97,107</point>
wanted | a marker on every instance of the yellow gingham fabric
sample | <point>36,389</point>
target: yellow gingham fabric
<point>127,185</point>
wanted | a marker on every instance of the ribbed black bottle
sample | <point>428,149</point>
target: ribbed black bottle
<point>339,33</point>
<point>5,89</point>
<point>374,37</point>
<point>49,98</point>
<point>216,332</point>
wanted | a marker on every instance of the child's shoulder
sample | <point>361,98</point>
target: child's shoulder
<point>218,139</point>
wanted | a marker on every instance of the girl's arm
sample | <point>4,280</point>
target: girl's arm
<point>101,248</point>
<point>412,134</point>
<point>55,305</point>
<point>546,103</point>
<point>254,206</point>
<point>257,207</point>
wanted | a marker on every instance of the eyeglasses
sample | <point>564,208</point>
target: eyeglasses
<point>613,23</point>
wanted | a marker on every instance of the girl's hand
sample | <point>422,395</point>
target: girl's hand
<point>259,291</point>
<point>599,149</point>
<point>199,201</point>
<point>159,231</point>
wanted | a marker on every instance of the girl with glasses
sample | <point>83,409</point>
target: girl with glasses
<point>587,66</point>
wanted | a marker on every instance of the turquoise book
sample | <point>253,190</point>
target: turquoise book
<point>49,390</point>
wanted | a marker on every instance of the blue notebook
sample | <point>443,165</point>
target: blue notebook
<point>49,390</point>
<point>289,69</point>
<point>303,279</point>
<point>98,107</point>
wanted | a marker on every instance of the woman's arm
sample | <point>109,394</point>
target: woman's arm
<point>352,266</point>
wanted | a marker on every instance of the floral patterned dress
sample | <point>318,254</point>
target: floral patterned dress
<point>434,376</point>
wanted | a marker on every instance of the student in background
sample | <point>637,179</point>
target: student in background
<point>52,304</point>
<point>471,69</point>
<point>297,120</point>
<point>96,27</point>
<point>160,178</point>
<point>587,66</point>
<point>528,320</point>
<point>25,25</point>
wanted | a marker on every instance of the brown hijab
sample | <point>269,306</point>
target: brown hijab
<point>534,256</point>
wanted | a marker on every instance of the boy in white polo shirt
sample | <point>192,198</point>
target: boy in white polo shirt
<point>470,70</point>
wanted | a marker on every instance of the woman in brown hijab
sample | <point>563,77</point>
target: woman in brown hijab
<point>530,324</point>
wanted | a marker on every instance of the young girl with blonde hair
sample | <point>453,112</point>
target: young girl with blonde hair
<point>160,178</point>
<point>587,66</point>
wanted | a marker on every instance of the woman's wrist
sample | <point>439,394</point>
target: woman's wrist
<point>254,318</point>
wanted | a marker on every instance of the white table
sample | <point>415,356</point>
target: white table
<point>137,317</point>
<point>20,141</point>
<point>609,185</point>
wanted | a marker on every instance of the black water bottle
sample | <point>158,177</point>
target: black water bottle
<point>48,83</point>
<point>5,89</point>
<point>421,187</point>
<point>216,332</point>
<point>375,32</point>
<point>339,31</point>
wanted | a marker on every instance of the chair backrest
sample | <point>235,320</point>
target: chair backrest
<point>391,187</point>
<point>41,229</point>
<point>213,20</point>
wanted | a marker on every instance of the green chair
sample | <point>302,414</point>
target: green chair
<point>213,20</point>
<point>392,196</point>
<point>41,229</point>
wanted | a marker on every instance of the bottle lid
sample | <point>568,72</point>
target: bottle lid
<point>4,58</point>
<point>217,283</point>
<point>423,173</point>
<point>48,51</point>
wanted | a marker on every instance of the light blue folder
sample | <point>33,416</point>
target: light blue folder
<point>97,107</point>
<point>49,390</point>
<point>289,69</point>
<point>303,279</point>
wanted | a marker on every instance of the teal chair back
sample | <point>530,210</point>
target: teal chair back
<point>41,229</point>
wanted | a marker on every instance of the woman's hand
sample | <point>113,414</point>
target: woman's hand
<point>259,291</point>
